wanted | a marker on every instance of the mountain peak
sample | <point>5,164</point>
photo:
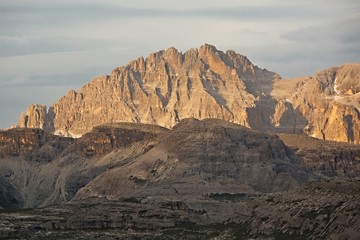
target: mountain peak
<point>169,86</point>
<point>208,48</point>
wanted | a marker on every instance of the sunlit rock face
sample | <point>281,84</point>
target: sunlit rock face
<point>169,86</point>
<point>329,102</point>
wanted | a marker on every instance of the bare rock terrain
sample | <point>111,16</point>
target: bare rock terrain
<point>328,102</point>
<point>202,179</point>
<point>169,86</point>
<point>317,210</point>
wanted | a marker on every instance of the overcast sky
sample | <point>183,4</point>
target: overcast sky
<point>49,47</point>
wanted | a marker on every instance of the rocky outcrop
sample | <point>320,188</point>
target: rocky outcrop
<point>327,159</point>
<point>327,105</point>
<point>28,141</point>
<point>20,141</point>
<point>37,116</point>
<point>105,138</point>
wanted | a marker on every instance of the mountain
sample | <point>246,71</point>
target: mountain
<point>201,179</point>
<point>326,106</point>
<point>191,160</point>
<point>162,89</point>
<point>207,83</point>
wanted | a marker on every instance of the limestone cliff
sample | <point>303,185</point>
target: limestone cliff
<point>328,103</point>
<point>207,83</point>
<point>163,89</point>
<point>37,116</point>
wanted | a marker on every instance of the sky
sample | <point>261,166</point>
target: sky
<point>48,47</point>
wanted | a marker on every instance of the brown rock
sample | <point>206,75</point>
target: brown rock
<point>105,138</point>
<point>36,116</point>
<point>323,104</point>
<point>163,89</point>
<point>327,158</point>
<point>169,86</point>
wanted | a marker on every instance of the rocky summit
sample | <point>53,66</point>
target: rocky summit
<point>202,83</point>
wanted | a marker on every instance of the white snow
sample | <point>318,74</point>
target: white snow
<point>336,87</point>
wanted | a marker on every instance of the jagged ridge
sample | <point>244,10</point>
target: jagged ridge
<point>163,89</point>
<point>207,83</point>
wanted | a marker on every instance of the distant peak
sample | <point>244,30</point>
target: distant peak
<point>207,45</point>
<point>208,48</point>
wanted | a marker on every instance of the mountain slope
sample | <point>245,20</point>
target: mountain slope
<point>194,159</point>
<point>203,157</point>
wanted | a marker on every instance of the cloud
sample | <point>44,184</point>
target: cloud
<point>34,16</point>
<point>54,69</point>
<point>344,31</point>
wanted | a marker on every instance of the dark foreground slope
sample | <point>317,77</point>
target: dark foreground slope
<point>201,179</point>
<point>318,210</point>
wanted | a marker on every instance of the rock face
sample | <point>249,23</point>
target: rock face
<point>29,166</point>
<point>326,105</point>
<point>38,168</point>
<point>328,159</point>
<point>163,89</point>
<point>107,137</point>
<point>36,116</point>
<point>23,142</point>
<point>206,83</point>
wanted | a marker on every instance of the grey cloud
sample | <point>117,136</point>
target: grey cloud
<point>41,15</point>
<point>24,45</point>
<point>75,79</point>
<point>344,31</point>
<point>292,59</point>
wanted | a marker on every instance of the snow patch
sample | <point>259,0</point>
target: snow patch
<point>67,134</point>
<point>336,87</point>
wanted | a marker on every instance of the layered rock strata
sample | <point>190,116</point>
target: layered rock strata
<point>212,158</point>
